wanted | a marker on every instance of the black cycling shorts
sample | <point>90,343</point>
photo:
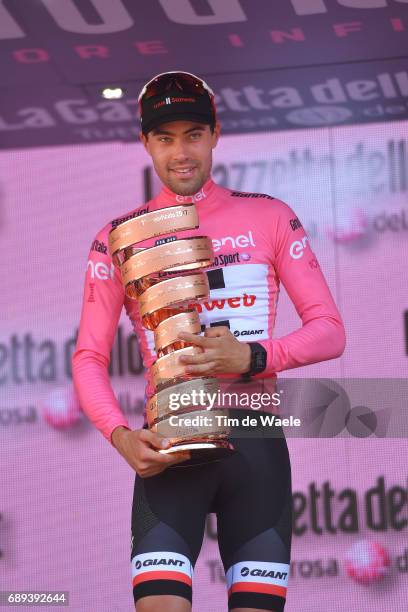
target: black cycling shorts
<point>250,493</point>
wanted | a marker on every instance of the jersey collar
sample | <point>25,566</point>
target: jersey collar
<point>205,196</point>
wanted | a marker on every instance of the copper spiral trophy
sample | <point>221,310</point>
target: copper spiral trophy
<point>164,279</point>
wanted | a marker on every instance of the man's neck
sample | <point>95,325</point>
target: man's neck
<point>206,191</point>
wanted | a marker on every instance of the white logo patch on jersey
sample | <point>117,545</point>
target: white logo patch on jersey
<point>297,248</point>
<point>243,303</point>
<point>241,241</point>
<point>101,270</point>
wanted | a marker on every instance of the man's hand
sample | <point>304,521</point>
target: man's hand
<point>221,353</point>
<point>138,448</point>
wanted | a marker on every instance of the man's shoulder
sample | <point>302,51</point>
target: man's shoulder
<point>266,203</point>
<point>131,214</point>
<point>103,234</point>
<point>250,195</point>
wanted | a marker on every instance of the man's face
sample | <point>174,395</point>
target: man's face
<point>181,152</point>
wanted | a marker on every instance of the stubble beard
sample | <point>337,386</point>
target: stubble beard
<point>185,188</point>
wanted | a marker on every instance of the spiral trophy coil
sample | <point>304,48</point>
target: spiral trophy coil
<point>163,303</point>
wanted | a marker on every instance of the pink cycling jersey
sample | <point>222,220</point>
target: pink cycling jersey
<point>258,241</point>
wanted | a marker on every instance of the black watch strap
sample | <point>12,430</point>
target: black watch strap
<point>258,359</point>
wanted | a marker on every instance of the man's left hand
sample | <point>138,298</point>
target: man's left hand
<point>221,352</point>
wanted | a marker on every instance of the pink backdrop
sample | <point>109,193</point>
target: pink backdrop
<point>66,495</point>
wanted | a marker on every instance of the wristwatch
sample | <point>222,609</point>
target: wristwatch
<point>258,359</point>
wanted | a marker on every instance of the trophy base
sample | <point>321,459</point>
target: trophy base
<point>201,452</point>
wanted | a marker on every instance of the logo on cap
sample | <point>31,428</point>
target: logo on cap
<point>171,100</point>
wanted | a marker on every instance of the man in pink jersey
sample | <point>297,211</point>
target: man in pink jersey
<point>258,242</point>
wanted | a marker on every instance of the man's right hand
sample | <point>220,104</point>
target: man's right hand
<point>140,449</point>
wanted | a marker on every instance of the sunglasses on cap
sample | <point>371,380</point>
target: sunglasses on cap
<point>184,81</point>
